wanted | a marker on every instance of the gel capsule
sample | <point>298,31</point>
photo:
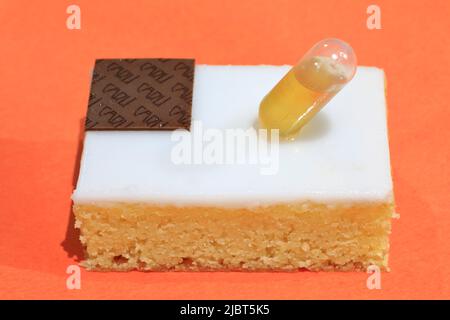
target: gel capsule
<point>324,70</point>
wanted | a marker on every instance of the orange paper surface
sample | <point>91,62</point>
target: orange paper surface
<point>45,71</point>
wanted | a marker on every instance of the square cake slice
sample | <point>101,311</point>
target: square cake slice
<point>326,204</point>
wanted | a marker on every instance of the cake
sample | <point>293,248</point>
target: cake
<point>324,202</point>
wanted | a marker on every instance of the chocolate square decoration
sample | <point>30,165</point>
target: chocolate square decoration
<point>141,94</point>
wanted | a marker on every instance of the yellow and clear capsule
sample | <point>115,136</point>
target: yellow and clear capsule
<point>324,70</point>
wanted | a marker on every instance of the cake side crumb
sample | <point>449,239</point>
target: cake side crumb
<point>309,236</point>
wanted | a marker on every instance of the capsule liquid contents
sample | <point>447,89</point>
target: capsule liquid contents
<point>324,70</point>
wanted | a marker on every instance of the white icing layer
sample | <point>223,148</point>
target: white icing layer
<point>341,155</point>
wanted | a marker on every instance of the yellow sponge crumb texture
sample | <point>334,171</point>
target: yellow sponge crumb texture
<point>288,237</point>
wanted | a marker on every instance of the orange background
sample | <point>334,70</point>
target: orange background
<point>44,82</point>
